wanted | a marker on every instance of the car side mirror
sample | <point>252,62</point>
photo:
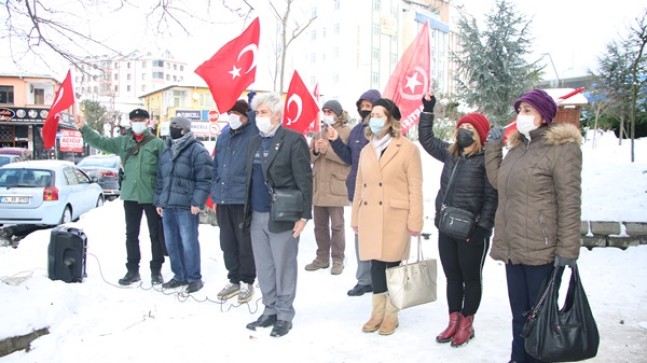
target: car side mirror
<point>94,179</point>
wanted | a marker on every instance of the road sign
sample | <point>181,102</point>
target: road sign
<point>214,129</point>
<point>213,116</point>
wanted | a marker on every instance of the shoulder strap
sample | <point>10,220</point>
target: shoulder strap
<point>135,148</point>
<point>451,182</point>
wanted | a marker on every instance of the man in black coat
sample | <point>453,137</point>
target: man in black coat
<point>277,158</point>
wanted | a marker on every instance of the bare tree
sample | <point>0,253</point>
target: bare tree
<point>638,40</point>
<point>295,30</point>
<point>40,29</point>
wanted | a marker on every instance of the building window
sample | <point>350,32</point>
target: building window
<point>336,28</point>
<point>116,76</point>
<point>128,88</point>
<point>376,5</point>
<point>178,98</point>
<point>158,75</point>
<point>39,96</point>
<point>128,77</point>
<point>313,35</point>
<point>128,65</point>
<point>376,78</point>
<point>116,89</point>
<point>143,64</point>
<point>158,63</point>
<point>175,67</point>
<point>168,77</point>
<point>144,88</point>
<point>143,76</point>
<point>323,32</point>
<point>174,78</point>
<point>6,94</point>
<point>336,5</point>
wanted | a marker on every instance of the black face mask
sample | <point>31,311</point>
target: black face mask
<point>464,138</point>
<point>176,133</point>
<point>364,114</point>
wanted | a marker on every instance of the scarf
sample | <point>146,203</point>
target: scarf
<point>379,145</point>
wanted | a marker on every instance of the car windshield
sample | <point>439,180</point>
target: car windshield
<point>25,178</point>
<point>4,160</point>
<point>102,162</point>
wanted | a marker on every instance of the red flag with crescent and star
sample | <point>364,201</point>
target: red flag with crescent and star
<point>411,80</point>
<point>64,99</point>
<point>232,68</point>
<point>300,106</point>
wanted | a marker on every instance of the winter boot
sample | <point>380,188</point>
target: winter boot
<point>390,322</point>
<point>377,315</point>
<point>465,332</point>
<point>449,332</point>
<point>131,276</point>
<point>156,277</point>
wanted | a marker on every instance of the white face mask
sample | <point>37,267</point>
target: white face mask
<point>525,124</point>
<point>329,119</point>
<point>138,127</point>
<point>234,121</point>
<point>264,124</point>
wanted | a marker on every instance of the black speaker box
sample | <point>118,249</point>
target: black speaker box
<point>67,253</point>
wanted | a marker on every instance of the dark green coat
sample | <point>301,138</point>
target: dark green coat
<point>140,170</point>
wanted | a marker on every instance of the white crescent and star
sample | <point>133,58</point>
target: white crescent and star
<point>235,71</point>
<point>299,102</point>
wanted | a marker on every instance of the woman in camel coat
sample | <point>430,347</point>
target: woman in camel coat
<point>387,206</point>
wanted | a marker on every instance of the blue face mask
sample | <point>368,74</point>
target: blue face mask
<point>376,124</point>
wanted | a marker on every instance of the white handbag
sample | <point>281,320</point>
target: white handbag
<point>412,283</point>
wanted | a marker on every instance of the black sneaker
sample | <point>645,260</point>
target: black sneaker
<point>131,276</point>
<point>173,284</point>
<point>156,278</point>
<point>194,286</point>
<point>360,290</point>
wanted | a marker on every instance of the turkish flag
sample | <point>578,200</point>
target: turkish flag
<point>232,68</point>
<point>300,106</point>
<point>64,99</point>
<point>411,80</point>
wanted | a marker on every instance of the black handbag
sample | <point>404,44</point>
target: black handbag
<point>455,222</point>
<point>568,334</point>
<point>287,205</point>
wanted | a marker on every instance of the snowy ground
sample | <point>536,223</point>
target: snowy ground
<point>99,321</point>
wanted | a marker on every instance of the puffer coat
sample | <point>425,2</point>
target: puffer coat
<point>539,185</point>
<point>471,189</point>
<point>184,175</point>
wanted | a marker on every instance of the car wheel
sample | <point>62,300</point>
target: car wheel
<point>67,215</point>
<point>100,201</point>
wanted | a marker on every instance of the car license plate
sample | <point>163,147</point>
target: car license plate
<point>15,199</point>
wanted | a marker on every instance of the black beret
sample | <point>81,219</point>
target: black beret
<point>139,113</point>
<point>390,106</point>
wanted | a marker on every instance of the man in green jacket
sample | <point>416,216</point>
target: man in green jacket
<point>140,152</point>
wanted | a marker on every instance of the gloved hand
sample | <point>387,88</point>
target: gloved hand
<point>561,261</point>
<point>479,234</point>
<point>495,135</point>
<point>428,104</point>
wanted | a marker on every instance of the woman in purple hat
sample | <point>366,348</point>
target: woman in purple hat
<point>537,223</point>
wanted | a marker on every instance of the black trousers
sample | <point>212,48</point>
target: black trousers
<point>236,244</point>
<point>462,263</point>
<point>378,275</point>
<point>133,212</point>
<point>524,285</point>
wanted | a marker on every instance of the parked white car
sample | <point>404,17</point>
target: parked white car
<point>46,192</point>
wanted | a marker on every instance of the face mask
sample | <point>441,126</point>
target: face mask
<point>364,113</point>
<point>176,133</point>
<point>264,124</point>
<point>329,119</point>
<point>525,124</point>
<point>464,137</point>
<point>138,127</point>
<point>234,121</point>
<point>376,125</point>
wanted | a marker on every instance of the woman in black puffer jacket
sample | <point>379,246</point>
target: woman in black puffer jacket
<point>462,260</point>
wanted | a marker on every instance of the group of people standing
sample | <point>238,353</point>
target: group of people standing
<point>530,198</point>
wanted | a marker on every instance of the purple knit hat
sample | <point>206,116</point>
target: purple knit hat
<point>541,101</point>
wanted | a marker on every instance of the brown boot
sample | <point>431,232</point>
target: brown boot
<point>377,315</point>
<point>449,332</point>
<point>465,332</point>
<point>390,322</point>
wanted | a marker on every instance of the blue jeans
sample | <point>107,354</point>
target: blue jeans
<point>181,234</point>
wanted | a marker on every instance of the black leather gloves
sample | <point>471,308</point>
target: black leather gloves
<point>561,261</point>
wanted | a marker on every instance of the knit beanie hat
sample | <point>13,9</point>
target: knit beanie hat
<point>182,122</point>
<point>390,106</point>
<point>541,101</point>
<point>480,123</point>
<point>240,106</point>
<point>371,95</point>
<point>334,106</point>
